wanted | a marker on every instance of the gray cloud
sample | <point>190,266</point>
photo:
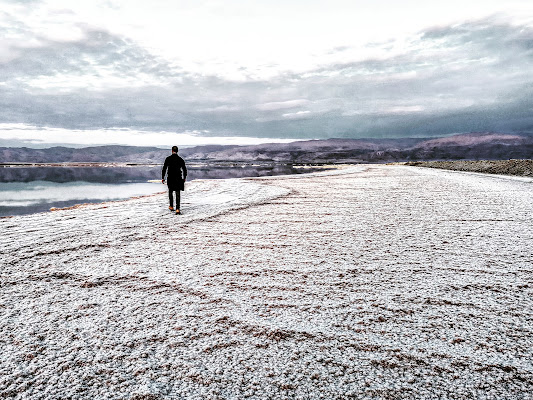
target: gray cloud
<point>471,77</point>
<point>97,49</point>
<point>22,1</point>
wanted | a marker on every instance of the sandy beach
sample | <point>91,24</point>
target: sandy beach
<point>370,282</point>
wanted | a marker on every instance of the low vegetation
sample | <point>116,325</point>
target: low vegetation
<point>501,167</point>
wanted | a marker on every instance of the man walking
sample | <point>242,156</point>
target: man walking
<point>177,174</point>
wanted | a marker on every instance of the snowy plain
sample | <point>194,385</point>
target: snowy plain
<point>379,282</point>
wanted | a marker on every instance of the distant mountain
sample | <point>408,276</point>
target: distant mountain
<point>330,150</point>
<point>87,154</point>
<point>124,154</point>
<point>470,146</point>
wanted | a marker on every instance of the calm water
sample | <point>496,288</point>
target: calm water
<point>27,190</point>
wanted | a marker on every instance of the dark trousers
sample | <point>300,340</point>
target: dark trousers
<point>171,197</point>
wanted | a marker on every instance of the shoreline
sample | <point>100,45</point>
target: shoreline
<point>75,165</point>
<point>192,163</point>
<point>59,204</point>
<point>515,167</point>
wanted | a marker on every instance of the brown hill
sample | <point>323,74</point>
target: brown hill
<point>473,146</point>
<point>470,146</point>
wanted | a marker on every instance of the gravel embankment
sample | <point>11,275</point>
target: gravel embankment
<point>500,167</point>
<point>376,282</point>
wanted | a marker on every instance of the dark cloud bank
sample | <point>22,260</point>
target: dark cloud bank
<point>470,77</point>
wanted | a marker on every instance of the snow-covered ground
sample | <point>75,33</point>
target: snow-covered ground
<point>384,282</point>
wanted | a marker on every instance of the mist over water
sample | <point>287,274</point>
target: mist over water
<point>27,190</point>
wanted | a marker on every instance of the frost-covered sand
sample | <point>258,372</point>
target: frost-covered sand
<point>385,282</point>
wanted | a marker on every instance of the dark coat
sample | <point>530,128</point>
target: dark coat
<point>177,172</point>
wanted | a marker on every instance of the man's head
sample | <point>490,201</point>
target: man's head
<point>174,149</point>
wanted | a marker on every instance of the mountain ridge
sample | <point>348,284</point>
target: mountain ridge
<point>469,146</point>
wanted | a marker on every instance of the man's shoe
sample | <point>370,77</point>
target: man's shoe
<point>178,212</point>
<point>171,208</point>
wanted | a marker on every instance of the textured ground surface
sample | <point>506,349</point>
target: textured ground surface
<point>501,167</point>
<point>382,282</point>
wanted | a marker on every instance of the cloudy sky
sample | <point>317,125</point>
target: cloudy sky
<point>189,72</point>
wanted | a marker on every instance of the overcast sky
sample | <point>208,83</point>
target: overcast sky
<point>189,72</point>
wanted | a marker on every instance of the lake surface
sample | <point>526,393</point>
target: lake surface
<point>27,190</point>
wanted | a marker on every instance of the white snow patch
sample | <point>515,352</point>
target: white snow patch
<point>370,282</point>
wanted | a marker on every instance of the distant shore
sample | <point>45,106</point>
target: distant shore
<point>521,167</point>
<point>500,167</point>
<point>75,164</point>
<point>192,163</point>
